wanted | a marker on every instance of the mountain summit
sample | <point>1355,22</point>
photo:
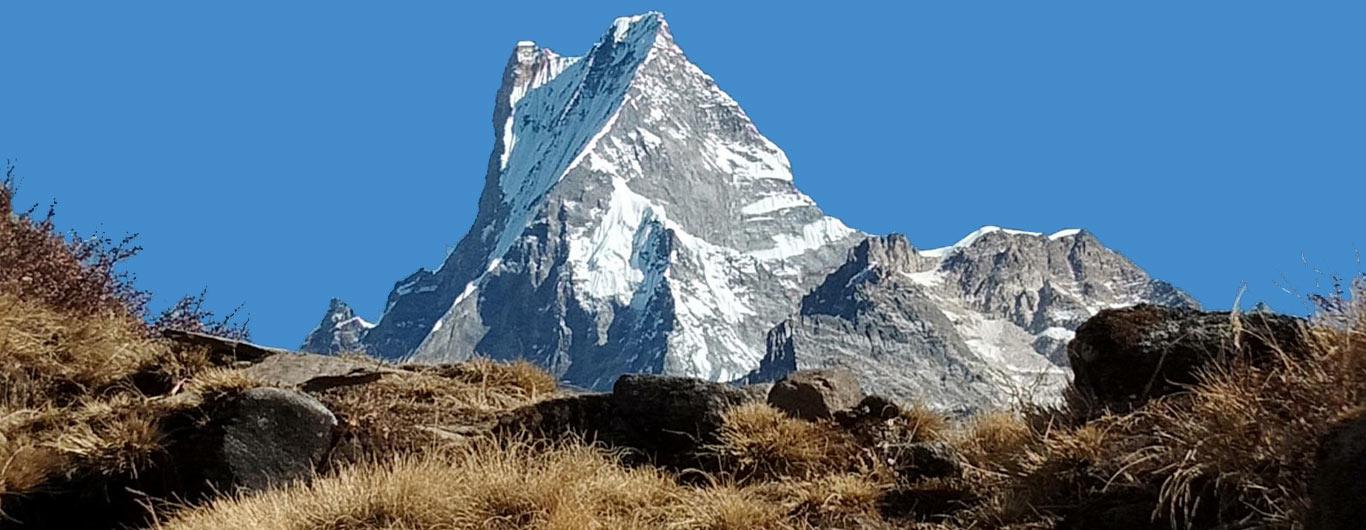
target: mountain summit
<point>634,219</point>
<point>980,324</point>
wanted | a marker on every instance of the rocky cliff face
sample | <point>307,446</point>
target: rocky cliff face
<point>983,323</point>
<point>339,332</point>
<point>633,219</point>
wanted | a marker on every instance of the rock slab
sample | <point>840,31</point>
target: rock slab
<point>816,394</point>
<point>313,373</point>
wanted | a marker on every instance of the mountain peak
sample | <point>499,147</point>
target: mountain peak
<point>634,219</point>
<point>646,25</point>
<point>340,331</point>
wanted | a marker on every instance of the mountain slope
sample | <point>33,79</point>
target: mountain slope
<point>983,323</point>
<point>633,219</point>
<point>340,331</point>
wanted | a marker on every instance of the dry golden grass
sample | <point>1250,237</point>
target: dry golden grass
<point>534,486</point>
<point>761,443</point>
<point>847,500</point>
<point>1237,448</point>
<point>70,398</point>
<point>923,424</point>
<point>483,486</point>
<point>48,357</point>
<point>408,412</point>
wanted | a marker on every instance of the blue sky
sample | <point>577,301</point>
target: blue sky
<point>282,153</point>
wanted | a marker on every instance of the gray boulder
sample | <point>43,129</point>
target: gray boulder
<point>1123,357</point>
<point>260,438</point>
<point>816,394</point>
<point>669,416</point>
<point>666,420</point>
<point>587,415</point>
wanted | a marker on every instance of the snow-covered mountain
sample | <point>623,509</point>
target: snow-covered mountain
<point>634,219</point>
<point>980,324</point>
<point>340,331</point>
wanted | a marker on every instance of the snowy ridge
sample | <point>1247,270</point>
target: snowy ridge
<point>634,219</point>
<point>972,237</point>
<point>981,324</point>
<point>969,239</point>
<point>353,321</point>
<point>566,103</point>
<point>340,331</point>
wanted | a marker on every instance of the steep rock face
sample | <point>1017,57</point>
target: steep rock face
<point>340,331</point>
<point>983,323</point>
<point>633,220</point>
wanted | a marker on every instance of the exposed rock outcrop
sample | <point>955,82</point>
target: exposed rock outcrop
<point>1123,357</point>
<point>666,419</point>
<point>313,373</point>
<point>260,438</point>
<point>340,331</point>
<point>222,351</point>
<point>981,324</point>
<point>816,394</point>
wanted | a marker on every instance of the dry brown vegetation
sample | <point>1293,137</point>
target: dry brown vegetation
<point>1234,451</point>
<point>84,383</point>
<point>77,361</point>
<point>433,403</point>
<point>760,443</point>
<point>521,484</point>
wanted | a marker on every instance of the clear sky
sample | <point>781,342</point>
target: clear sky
<point>282,153</point>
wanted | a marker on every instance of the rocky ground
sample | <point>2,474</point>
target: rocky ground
<point>1176,419</point>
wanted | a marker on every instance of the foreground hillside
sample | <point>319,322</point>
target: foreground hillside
<point>1176,419</point>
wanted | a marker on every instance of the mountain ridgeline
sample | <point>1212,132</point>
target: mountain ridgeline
<point>634,219</point>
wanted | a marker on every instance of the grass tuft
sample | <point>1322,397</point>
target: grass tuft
<point>759,442</point>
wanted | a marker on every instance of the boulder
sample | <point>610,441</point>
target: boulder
<point>223,351</point>
<point>256,439</point>
<point>665,419</point>
<point>926,460</point>
<point>248,441</point>
<point>671,416</point>
<point>1122,357</point>
<point>313,373</point>
<point>586,415</point>
<point>1337,490</point>
<point>756,392</point>
<point>816,394</point>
